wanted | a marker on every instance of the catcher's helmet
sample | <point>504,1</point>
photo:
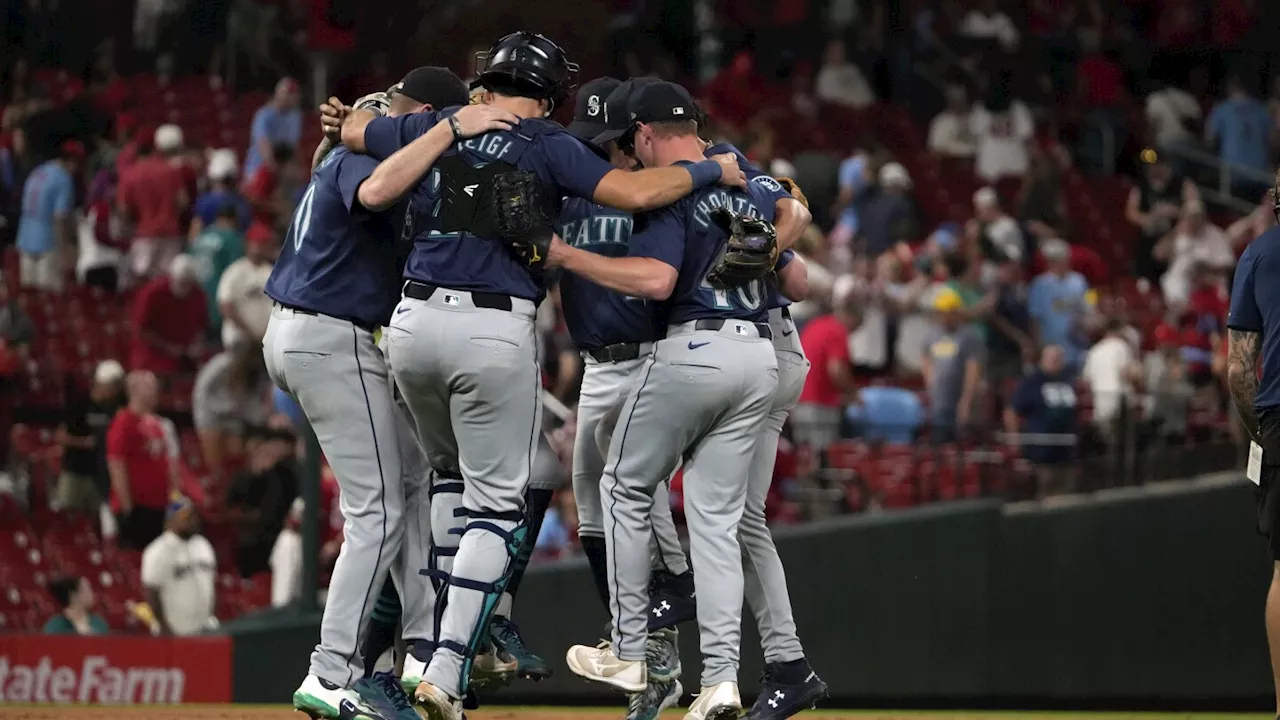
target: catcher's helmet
<point>527,64</point>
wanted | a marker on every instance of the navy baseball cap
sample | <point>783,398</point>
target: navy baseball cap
<point>661,102</point>
<point>617,110</point>
<point>431,85</point>
<point>588,113</point>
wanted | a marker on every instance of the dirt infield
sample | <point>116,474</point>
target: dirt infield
<point>277,712</point>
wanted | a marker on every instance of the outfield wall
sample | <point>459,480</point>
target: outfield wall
<point>1145,597</point>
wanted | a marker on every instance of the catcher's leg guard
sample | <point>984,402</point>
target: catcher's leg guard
<point>481,572</point>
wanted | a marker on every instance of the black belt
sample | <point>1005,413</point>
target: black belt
<point>492,301</point>
<point>717,323</point>
<point>367,327</point>
<point>617,352</point>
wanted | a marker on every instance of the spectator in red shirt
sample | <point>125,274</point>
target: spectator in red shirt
<point>825,339</point>
<point>169,321</point>
<point>736,90</point>
<point>153,195</point>
<point>264,190</point>
<point>142,471</point>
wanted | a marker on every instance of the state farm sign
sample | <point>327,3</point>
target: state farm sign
<point>114,670</point>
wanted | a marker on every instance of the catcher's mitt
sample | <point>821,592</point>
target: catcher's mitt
<point>750,252</point>
<point>790,186</point>
<point>522,214</point>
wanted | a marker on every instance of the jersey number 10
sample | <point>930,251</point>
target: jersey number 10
<point>746,297</point>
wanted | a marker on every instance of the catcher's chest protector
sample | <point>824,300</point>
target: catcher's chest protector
<point>467,173</point>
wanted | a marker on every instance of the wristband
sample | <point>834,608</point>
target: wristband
<point>456,128</point>
<point>704,172</point>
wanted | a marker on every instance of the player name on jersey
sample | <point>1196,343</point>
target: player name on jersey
<point>718,198</point>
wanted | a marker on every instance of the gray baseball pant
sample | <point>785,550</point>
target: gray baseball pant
<point>340,379</point>
<point>470,377</point>
<point>766,580</point>
<point>605,386</point>
<point>703,396</point>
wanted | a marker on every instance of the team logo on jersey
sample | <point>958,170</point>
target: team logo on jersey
<point>767,183</point>
<point>593,105</point>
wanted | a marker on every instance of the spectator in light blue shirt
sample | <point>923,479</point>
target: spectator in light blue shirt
<point>279,122</point>
<point>887,414</point>
<point>1241,128</point>
<point>854,177</point>
<point>45,229</point>
<point>1057,300</point>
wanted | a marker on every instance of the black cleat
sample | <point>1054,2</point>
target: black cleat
<point>671,600</point>
<point>786,689</point>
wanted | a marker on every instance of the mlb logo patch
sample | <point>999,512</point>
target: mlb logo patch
<point>452,300</point>
<point>741,329</point>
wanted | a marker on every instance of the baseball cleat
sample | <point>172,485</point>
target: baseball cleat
<point>671,600</point>
<point>721,702</point>
<point>383,693</point>
<point>506,638</point>
<point>323,700</point>
<point>436,703</point>
<point>415,666</point>
<point>599,664</point>
<point>662,656</point>
<point>492,669</point>
<point>786,689</point>
<point>656,697</point>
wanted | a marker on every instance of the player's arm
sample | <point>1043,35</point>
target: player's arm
<point>793,277</point>
<point>791,219</point>
<point>582,173</point>
<point>1244,343</point>
<point>405,168</point>
<point>364,131</point>
<point>649,271</point>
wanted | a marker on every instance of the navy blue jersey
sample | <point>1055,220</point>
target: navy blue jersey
<point>1255,307</point>
<point>598,316</point>
<point>684,236</point>
<point>774,188</point>
<point>338,258</point>
<point>1047,406</point>
<point>460,260</point>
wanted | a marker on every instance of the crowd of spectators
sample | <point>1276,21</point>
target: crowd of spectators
<point>988,328</point>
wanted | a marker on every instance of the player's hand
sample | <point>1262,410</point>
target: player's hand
<point>556,251</point>
<point>479,119</point>
<point>730,173</point>
<point>332,113</point>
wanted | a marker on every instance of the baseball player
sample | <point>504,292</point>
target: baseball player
<point>703,396</point>
<point>790,685</point>
<point>331,291</point>
<point>462,340</point>
<point>762,569</point>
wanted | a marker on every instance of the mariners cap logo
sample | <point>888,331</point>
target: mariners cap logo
<point>593,105</point>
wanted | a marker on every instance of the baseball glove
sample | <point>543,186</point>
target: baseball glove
<point>522,214</point>
<point>750,252</point>
<point>790,186</point>
<point>378,102</point>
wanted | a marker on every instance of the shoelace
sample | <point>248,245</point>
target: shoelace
<point>509,633</point>
<point>391,688</point>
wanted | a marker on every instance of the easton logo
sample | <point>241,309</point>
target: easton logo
<point>470,190</point>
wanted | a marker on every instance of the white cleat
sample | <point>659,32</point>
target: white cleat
<point>599,664</point>
<point>437,703</point>
<point>716,703</point>
<point>324,700</point>
<point>411,675</point>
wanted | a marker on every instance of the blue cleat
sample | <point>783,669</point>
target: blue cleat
<point>383,693</point>
<point>786,689</point>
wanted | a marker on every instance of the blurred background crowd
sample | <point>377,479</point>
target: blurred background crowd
<point>1026,218</point>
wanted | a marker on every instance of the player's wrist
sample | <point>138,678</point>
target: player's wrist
<point>704,173</point>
